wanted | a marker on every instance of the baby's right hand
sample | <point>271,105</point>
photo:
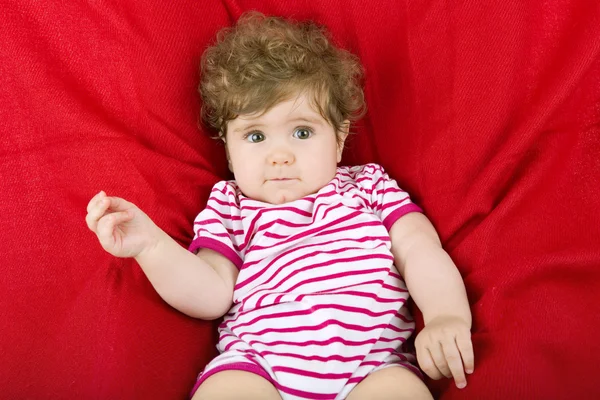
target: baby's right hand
<point>122,228</point>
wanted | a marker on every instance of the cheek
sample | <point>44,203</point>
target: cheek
<point>236,156</point>
<point>245,162</point>
<point>329,151</point>
<point>322,160</point>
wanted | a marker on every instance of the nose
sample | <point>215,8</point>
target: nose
<point>281,156</point>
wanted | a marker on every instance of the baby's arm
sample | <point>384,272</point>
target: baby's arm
<point>435,284</point>
<point>200,286</point>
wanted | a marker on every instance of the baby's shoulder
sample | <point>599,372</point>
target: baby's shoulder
<point>361,171</point>
<point>225,193</point>
<point>360,176</point>
<point>226,187</point>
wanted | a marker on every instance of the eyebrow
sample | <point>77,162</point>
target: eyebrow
<point>246,128</point>
<point>307,119</point>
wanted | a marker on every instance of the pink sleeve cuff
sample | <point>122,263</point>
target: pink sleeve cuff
<point>219,247</point>
<point>399,212</point>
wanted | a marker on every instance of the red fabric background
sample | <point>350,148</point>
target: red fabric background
<point>489,116</point>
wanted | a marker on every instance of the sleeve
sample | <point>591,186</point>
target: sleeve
<point>218,227</point>
<point>388,201</point>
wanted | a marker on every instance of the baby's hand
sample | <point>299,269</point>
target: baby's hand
<point>443,347</point>
<point>122,228</point>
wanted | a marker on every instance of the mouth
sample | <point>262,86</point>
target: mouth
<point>281,179</point>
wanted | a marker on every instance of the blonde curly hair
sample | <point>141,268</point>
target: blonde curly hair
<point>262,61</point>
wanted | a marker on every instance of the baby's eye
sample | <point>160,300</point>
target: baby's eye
<point>255,137</point>
<point>303,133</point>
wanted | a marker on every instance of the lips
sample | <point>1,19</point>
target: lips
<point>281,179</point>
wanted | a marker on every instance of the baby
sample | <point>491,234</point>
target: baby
<point>310,264</point>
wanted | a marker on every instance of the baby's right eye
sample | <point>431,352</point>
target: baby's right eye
<point>254,137</point>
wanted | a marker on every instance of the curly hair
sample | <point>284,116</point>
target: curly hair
<point>262,61</point>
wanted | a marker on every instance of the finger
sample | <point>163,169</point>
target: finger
<point>465,346</point>
<point>107,225</point>
<point>454,361</point>
<point>439,358</point>
<point>95,199</point>
<point>427,365</point>
<point>96,210</point>
<point>118,204</point>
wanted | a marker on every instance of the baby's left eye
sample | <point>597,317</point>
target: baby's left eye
<point>302,133</point>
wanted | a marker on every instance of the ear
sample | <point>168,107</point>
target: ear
<point>342,134</point>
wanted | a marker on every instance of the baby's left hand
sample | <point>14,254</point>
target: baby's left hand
<point>443,347</point>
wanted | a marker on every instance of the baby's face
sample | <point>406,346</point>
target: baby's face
<point>287,153</point>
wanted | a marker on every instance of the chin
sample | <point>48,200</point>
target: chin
<point>284,197</point>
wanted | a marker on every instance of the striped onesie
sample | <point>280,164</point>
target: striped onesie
<point>318,304</point>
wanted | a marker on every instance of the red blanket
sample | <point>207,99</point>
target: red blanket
<point>488,115</point>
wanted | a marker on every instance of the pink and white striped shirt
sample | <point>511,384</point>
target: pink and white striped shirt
<point>318,303</point>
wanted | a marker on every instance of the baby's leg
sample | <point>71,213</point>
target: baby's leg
<point>392,383</point>
<point>236,385</point>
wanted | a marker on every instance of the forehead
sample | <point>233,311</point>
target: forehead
<point>299,107</point>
